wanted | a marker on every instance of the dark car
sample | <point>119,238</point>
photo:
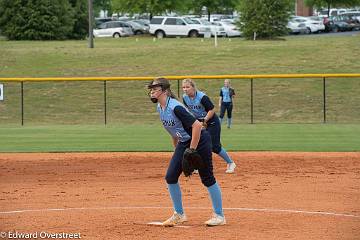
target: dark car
<point>351,20</point>
<point>138,28</point>
<point>143,22</point>
<point>338,24</point>
<point>99,21</point>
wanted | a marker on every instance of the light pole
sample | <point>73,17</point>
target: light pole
<point>91,17</point>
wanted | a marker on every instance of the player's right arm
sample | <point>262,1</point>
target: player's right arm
<point>189,122</point>
<point>175,141</point>
<point>195,134</point>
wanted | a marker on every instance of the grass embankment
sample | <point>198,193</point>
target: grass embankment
<point>131,115</point>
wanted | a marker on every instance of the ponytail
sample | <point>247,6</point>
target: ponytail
<point>165,86</point>
<point>171,94</point>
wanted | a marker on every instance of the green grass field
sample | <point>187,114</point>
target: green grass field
<point>51,108</point>
<point>179,56</point>
<point>152,137</point>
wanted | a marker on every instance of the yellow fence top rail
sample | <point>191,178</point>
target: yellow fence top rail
<point>35,79</point>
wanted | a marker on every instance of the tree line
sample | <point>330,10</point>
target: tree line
<point>68,19</point>
<point>43,19</point>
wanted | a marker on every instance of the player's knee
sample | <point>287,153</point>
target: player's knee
<point>216,149</point>
<point>208,181</point>
<point>171,179</point>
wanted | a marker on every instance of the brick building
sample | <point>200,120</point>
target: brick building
<point>301,9</point>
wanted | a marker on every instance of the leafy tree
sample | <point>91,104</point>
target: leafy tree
<point>81,19</point>
<point>267,18</point>
<point>105,5</point>
<point>161,6</point>
<point>44,19</point>
<point>332,3</point>
<point>36,19</point>
<point>214,6</point>
<point>152,7</point>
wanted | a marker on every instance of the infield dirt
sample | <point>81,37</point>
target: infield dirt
<point>271,195</point>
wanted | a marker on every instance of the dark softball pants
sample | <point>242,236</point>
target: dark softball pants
<point>204,148</point>
<point>214,128</point>
<point>226,106</point>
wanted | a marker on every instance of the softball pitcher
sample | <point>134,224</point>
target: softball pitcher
<point>187,134</point>
<point>203,109</point>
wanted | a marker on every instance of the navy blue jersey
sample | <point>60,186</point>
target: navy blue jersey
<point>227,94</point>
<point>176,119</point>
<point>199,105</point>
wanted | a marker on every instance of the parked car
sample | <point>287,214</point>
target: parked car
<point>355,15</point>
<point>341,24</point>
<point>137,28</point>
<point>143,22</point>
<point>99,21</point>
<point>232,21</point>
<point>214,28</point>
<point>113,29</point>
<point>313,24</point>
<point>351,19</point>
<point>296,27</point>
<point>318,22</point>
<point>163,26</point>
<point>230,29</point>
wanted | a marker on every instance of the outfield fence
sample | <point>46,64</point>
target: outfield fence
<point>255,91</point>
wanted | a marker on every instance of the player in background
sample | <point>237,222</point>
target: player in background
<point>186,132</point>
<point>226,102</point>
<point>203,109</point>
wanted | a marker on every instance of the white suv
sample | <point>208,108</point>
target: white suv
<point>175,26</point>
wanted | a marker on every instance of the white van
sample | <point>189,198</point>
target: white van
<point>114,29</point>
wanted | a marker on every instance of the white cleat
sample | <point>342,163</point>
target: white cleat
<point>230,167</point>
<point>195,171</point>
<point>216,220</point>
<point>175,219</point>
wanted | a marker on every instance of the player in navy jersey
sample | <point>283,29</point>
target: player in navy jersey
<point>186,132</point>
<point>203,109</point>
<point>226,102</point>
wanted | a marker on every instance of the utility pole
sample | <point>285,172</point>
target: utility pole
<point>91,17</point>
